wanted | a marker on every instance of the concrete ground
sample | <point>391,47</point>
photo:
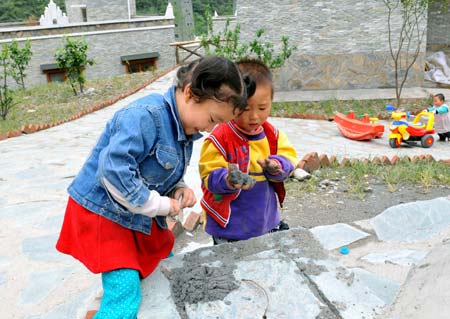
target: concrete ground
<point>361,94</point>
<point>35,280</point>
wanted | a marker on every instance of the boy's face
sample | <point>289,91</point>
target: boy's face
<point>437,101</point>
<point>257,110</point>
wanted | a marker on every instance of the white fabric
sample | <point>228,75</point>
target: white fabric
<point>437,68</point>
<point>156,204</point>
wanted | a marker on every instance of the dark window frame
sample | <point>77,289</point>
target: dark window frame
<point>140,62</point>
<point>140,65</point>
<point>49,69</point>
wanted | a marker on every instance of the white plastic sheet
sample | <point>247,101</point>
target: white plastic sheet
<point>437,68</point>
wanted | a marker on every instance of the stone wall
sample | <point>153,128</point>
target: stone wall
<point>100,10</point>
<point>341,44</point>
<point>106,45</point>
<point>438,33</point>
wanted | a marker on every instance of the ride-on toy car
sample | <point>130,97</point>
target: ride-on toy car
<point>421,129</point>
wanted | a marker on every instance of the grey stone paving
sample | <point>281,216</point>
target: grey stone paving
<point>37,282</point>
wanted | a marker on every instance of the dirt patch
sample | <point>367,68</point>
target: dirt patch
<point>326,207</point>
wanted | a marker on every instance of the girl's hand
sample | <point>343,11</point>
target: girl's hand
<point>175,208</point>
<point>187,196</point>
<point>271,166</point>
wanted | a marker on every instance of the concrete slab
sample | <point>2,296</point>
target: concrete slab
<point>425,294</point>
<point>405,257</point>
<point>337,235</point>
<point>412,222</point>
<point>352,293</point>
<point>264,276</point>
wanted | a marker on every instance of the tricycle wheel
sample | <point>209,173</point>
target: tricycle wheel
<point>394,143</point>
<point>427,141</point>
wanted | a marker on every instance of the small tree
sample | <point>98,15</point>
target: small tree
<point>20,57</point>
<point>72,57</point>
<point>6,98</point>
<point>227,44</point>
<point>406,48</point>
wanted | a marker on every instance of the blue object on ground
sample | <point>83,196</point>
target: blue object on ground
<point>390,107</point>
<point>344,250</point>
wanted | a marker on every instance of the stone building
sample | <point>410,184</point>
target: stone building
<point>438,33</point>
<point>340,44</point>
<point>118,41</point>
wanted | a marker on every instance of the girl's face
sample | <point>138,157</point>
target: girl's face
<point>437,101</point>
<point>257,110</point>
<point>205,115</point>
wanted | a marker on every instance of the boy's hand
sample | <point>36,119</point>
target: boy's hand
<point>185,197</point>
<point>238,180</point>
<point>271,166</point>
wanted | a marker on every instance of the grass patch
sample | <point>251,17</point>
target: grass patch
<point>55,101</point>
<point>331,107</point>
<point>357,177</point>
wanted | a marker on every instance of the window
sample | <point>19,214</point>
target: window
<point>140,62</point>
<point>84,14</point>
<point>53,73</point>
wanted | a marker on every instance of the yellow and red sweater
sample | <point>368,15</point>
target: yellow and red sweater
<point>242,214</point>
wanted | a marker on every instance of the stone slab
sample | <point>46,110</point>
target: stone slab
<point>264,276</point>
<point>337,235</point>
<point>404,257</point>
<point>413,222</point>
<point>426,293</point>
<point>354,293</point>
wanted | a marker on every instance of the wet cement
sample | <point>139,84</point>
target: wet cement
<point>194,284</point>
<point>206,274</point>
<point>239,178</point>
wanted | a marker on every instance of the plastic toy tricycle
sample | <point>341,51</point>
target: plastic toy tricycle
<point>420,129</point>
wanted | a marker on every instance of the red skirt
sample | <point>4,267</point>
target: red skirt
<point>102,245</point>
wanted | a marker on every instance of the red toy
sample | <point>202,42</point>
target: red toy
<point>358,130</point>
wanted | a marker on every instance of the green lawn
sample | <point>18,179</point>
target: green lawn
<point>331,107</point>
<point>55,101</point>
<point>357,176</point>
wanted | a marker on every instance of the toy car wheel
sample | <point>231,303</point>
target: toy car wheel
<point>394,143</point>
<point>427,141</point>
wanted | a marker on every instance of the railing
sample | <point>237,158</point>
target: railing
<point>191,47</point>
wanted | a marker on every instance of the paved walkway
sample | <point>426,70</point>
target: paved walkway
<point>361,94</point>
<point>35,280</point>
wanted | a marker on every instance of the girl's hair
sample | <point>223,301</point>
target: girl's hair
<point>255,72</point>
<point>440,96</point>
<point>214,78</point>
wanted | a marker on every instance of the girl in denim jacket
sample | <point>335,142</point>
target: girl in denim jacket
<point>115,220</point>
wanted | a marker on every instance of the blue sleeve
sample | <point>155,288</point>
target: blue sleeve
<point>442,109</point>
<point>132,136</point>
<point>217,182</point>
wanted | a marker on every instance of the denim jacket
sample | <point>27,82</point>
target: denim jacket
<point>142,148</point>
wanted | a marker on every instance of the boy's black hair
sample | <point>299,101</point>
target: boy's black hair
<point>255,72</point>
<point>440,96</point>
<point>215,78</point>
